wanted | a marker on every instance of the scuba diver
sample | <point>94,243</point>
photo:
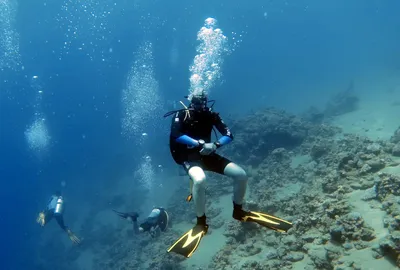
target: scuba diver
<point>191,147</point>
<point>55,208</point>
<point>156,222</point>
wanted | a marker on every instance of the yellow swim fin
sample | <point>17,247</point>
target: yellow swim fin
<point>266,220</point>
<point>188,243</point>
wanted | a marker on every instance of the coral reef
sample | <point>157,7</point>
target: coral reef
<point>351,227</point>
<point>319,207</point>
<point>267,130</point>
<point>388,190</point>
<point>313,115</point>
<point>396,150</point>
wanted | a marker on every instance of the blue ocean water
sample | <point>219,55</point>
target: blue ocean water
<point>287,52</point>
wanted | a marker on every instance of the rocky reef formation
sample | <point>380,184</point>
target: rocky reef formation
<point>388,192</point>
<point>395,139</point>
<point>343,102</point>
<point>396,136</point>
<point>326,227</point>
<point>262,132</point>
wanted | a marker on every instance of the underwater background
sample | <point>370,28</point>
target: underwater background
<point>84,86</point>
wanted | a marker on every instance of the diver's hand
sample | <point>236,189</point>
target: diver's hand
<point>208,149</point>
<point>73,237</point>
<point>155,231</point>
<point>152,233</point>
<point>41,219</point>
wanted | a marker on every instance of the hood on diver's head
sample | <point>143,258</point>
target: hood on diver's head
<point>199,101</point>
<point>57,193</point>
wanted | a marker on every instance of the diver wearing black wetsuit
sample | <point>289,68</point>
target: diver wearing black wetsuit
<point>156,222</point>
<point>191,147</point>
<point>55,208</point>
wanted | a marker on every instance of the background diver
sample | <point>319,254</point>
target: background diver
<point>191,147</point>
<point>55,208</point>
<point>155,223</point>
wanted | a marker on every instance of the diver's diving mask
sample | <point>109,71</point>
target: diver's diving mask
<point>199,103</point>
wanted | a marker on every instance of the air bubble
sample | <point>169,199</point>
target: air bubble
<point>141,101</point>
<point>206,67</point>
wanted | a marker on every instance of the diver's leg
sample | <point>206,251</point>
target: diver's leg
<point>60,221</point>
<point>222,165</point>
<point>239,177</point>
<point>198,177</point>
<point>240,185</point>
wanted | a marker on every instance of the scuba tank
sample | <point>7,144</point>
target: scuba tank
<point>59,206</point>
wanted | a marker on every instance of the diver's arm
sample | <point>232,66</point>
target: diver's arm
<point>155,231</point>
<point>44,217</point>
<point>185,139</point>
<point>135,227</point>
<point>178,135</point>
<point>227,136</point>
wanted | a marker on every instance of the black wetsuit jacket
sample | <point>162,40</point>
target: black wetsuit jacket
<point>198,126</point>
